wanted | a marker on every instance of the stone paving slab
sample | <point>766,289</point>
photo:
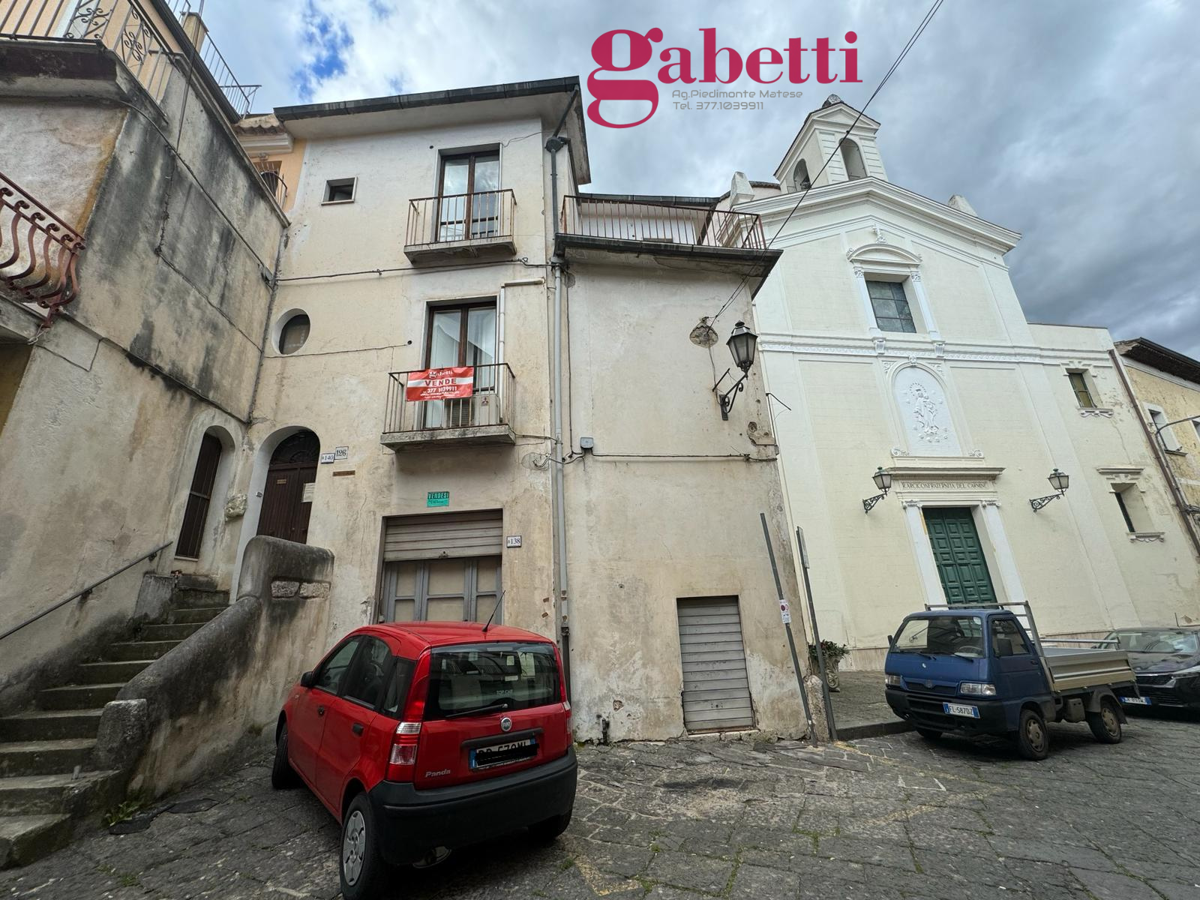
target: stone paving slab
<point>888,818</point>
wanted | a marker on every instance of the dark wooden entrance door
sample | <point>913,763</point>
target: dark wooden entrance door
<point>191,535</point>
<point>285,508</point>
<point>960,561</point>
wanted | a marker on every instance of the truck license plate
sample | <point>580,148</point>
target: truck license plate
<point>1137,701</point>
<point>961,709</point>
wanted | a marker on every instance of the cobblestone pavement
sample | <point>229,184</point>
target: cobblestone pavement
<point>880,818</point>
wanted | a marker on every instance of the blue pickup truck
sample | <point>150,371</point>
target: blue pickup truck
<point>981,671</point>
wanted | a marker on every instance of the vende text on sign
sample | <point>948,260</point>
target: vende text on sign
<point>437,498</point>
<point>452,383</point>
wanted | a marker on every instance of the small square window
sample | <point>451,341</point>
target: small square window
<point>1083,392</point>
<point>340,190</point>
<point>892,312</point>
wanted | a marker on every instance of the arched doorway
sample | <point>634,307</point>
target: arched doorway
<point>287,501</point>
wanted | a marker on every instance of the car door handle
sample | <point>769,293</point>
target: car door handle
<point>357,728</point>
<point>320,710</point>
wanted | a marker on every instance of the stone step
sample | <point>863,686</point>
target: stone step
<point>79,696</point>
<point>60,793</point>
<point>24,839</point>
<point>50,725</point>
<point>195,598</point>
<point>109,672</point>
<point>168,632</point>
<point>198,614</point>
<point>138,650</point>
<point>45,757</point>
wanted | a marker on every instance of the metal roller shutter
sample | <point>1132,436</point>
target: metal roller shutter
<point>716,689</point>
<point>444,536</point>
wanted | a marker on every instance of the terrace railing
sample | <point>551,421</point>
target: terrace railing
<point>489,403</point>
<point>662,223</point>
<point>461,218</point>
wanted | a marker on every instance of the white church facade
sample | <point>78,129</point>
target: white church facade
<point>891,329</point>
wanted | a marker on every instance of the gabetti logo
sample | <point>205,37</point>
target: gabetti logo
<point>759,65</point>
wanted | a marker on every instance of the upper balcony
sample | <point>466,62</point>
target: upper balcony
<point>465,406</point>
<point>151,37</point>
<point>606,229</point>
<point>38,251</point>
<point>441,229</point>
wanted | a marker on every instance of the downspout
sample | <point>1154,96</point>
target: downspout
<point>1159,453</point>
<point>553,145</point>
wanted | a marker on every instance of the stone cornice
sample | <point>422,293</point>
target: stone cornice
<point>889,196</point>
<point>896,349</point>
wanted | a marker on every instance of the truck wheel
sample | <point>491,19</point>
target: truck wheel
<point>361,867</point>
<point>283,776</point>
<point>1106,724</point>
<point>547,830</point>
<point>1033,741</point>
<point>930,734</point>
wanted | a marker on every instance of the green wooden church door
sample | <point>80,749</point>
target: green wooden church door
<point>960,561</point>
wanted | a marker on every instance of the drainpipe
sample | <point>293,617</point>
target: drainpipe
<point>553,145</point>
<point>1156,447</point>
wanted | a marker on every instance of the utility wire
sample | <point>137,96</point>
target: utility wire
<point>887,75</point>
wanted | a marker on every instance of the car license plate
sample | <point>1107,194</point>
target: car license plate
<point>1137,701</point>
<point>961,709</point>
<point>503,754</point>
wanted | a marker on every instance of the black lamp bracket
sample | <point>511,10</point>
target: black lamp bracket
<point>726,399</point>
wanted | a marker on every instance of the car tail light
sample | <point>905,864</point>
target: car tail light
<point>406,739</point>
<point>562,692</point>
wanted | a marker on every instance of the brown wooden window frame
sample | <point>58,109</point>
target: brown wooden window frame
<point>1081,389</point>
<point>465,308</point>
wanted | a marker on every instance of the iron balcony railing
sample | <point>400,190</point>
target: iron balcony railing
<point>696,226</point>
<point>136,32</point>
<point>38,250</point>
<point>489,403</point>
<point>457,218</point>
<point>275,184</point>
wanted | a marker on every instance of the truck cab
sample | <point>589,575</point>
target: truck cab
<point>979,671</point>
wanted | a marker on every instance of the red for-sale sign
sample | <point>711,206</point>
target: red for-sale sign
<point>441,384</point>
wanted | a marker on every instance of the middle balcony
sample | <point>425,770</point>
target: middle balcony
<point>442,229</point>
<point>455,406</point>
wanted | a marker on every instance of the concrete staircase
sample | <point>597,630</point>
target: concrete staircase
<point>48,784</point>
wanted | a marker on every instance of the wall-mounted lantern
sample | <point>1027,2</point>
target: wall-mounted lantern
<point>883,481</point>
<point>1060,481</point>
<point>741,345</point>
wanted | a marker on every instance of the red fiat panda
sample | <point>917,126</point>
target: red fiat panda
<point>429,735</point>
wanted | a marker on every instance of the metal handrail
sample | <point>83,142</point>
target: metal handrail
<point>42,249</point>
<point>87,590</point>
<point>643,221</point>
<point>458,218</point>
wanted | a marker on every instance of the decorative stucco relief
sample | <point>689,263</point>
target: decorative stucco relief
<point>923,410</point>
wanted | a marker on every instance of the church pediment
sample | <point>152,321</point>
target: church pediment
<point>882,255</point>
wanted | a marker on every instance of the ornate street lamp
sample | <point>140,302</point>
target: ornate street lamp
<point>883,481</point>
<point>741,345</point>
<point>1060,481</point>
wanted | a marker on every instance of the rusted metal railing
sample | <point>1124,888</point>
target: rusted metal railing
<point>275,184</point>
<point>136,34</point>
<point>38,250</point>
<point>661,223</point>
<point>486,215</point>
<point>489,403</point>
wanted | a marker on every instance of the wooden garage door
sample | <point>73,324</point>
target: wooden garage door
<point>716,691</point>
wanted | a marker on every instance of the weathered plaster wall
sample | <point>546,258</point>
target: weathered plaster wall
<point>644,532</point>
<point>161,344</point>
<point>1177,399</point>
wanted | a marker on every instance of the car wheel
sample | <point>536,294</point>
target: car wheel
<point>929,734</point>
<point>1106,724</point>
<point>361,866</point>
<point>283,776</point>
<point>1033,740</point>
<point>546,831</point>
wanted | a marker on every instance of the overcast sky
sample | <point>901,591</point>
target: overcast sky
<point>1074,122</point>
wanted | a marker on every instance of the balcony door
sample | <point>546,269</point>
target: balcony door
<point>462,335</point>
<point>468,196</point>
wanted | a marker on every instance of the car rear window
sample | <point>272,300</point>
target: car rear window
<point>482,676</point>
